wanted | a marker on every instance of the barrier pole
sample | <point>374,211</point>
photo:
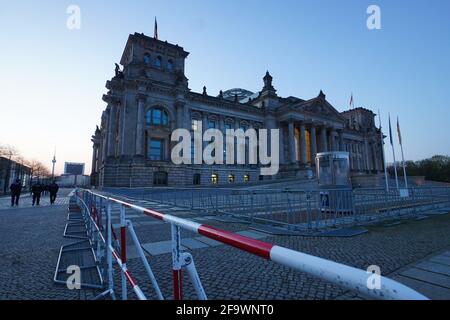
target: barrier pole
<point>144,260</point>
<point>176,263</point>
<point>108,247</point>
<point>123,250</point>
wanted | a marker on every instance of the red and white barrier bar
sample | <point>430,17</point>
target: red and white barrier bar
<point>342,275</point>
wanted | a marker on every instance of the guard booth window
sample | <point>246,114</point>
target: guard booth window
<point>160,178</point>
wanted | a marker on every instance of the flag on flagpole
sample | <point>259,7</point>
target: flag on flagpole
<point>399,132</point>
<point>155,35</point>
<point>390,131</point>
<point>351,101</point>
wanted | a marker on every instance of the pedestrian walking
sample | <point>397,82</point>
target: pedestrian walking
<point>53,189</point>
<point>36,189</point>
<point>16,189</point>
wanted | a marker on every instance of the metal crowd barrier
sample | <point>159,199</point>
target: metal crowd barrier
<point>304,209</point>
<point>95,206</point>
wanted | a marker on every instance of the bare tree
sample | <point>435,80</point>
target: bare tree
<point>38,170</point>
<point>9,152</point>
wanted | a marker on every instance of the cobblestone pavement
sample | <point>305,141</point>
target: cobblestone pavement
<point>31,238</point>
<point>26,200</point>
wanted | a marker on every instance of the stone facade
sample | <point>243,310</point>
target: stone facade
<point>150,98</point>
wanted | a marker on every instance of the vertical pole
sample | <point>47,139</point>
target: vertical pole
<point>383,153</point>
<point>108,247</point>
<point>404,167</point>
<point>393,153</point>
<point>176,263</point>
<point>123,249</point>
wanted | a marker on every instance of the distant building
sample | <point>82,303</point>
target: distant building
<point>74,168</point>
<point>150,98</point>
<point>11,170</point>
<point>71,180</point>
<point>73,176</point>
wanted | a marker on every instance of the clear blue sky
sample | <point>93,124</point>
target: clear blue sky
<point>52,79</point>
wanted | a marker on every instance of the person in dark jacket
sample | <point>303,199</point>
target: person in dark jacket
<point>53,189</point>
<point>36,189</point>
<point>16,189</point>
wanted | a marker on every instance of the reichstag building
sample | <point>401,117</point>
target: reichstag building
<point>149,98</point>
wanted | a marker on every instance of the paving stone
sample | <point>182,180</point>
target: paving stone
<point>252,234</point>
<point>428,277</point>
<point>158,248</point>
<point>434,267</point>
<point>193,244</point>
<point>208,241</point>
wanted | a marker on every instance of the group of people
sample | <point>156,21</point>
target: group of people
<point>36,190</point>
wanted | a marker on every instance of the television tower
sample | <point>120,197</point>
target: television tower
<point>53,168</point>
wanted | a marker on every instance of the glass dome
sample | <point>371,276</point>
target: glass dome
<point>240,93</point>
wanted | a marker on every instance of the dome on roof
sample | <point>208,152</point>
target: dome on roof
<point>240,93</point>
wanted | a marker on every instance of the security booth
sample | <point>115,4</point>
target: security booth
<point>333,174</point>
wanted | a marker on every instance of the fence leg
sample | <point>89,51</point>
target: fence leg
<point>123,249</point>
<point>144,260</point>
<point>188,263</point>
<point>108,250</point>
<point>176,263</point>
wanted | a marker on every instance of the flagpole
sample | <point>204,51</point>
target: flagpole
<point>403,156</point>
<point>393,153</point>
<point>382,152</point>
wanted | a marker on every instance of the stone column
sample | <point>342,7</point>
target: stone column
<point>303,157</point>
<point>204,127</point>
<point>236,123</point>
<point>375,157</point>
<point>179,108</point>
<point>323,140</point>
<point>140,127</point>
<point>222,125</point>
<point>312,134</point>
<point>112,124</point>
<point>333,140</point>
<point>292,143</point>
<point>341,141</point>
<point>105,136</point>
<point>367,154</point>
<point>122,144</point>
<point>281,143</point>
<point>352,155</point>
<point>94,159</point>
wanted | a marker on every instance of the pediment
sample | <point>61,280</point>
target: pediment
<point>322,108</point>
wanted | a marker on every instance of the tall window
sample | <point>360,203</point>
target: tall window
<point>156,149</point>
<point>195,127</point>
<point>157,117</point>
<point>158,62</point>
<point>214,179</point>
<point>170,65</point>
<point>147,59</point>
<point>246,178</point>
<point>231,178</point>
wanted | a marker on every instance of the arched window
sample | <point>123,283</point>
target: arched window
<point>156,117</point>
<point>170,65</point>
<point>147,59</point>
<point>158,62</point>
<point>231,178</point>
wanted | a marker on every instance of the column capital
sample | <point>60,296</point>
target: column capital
<point>140,97</point>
